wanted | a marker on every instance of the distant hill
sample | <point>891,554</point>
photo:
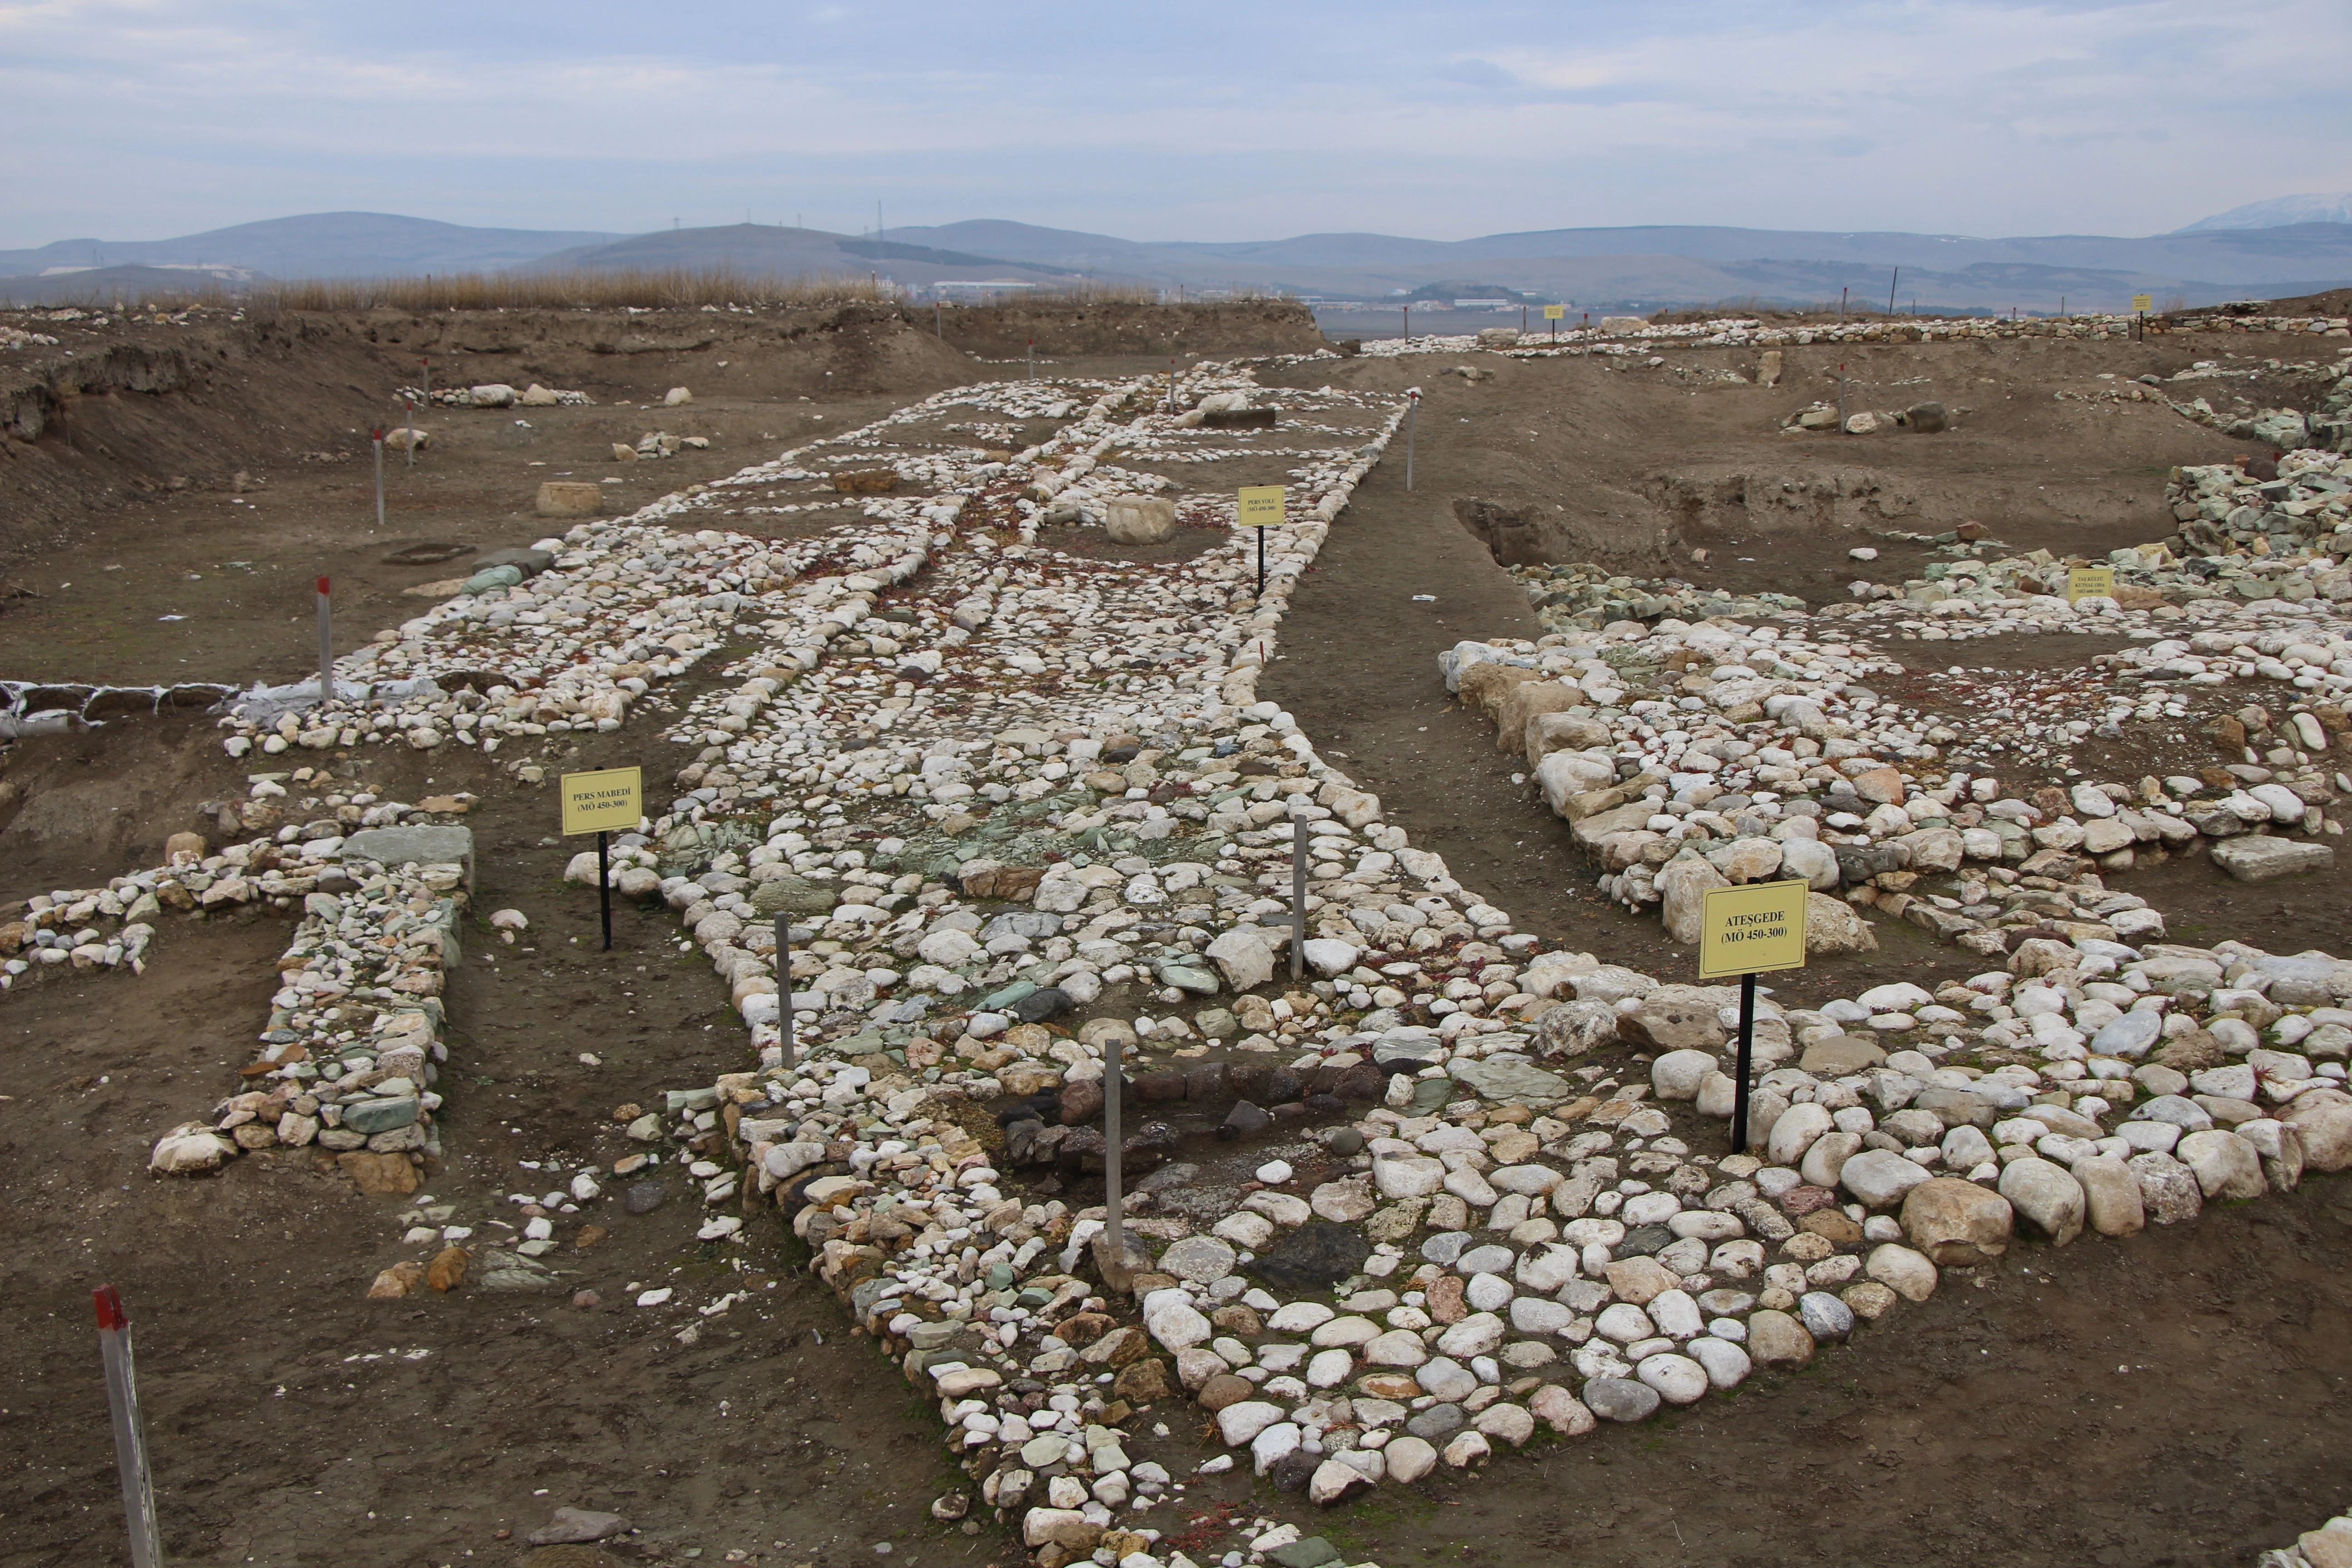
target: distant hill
<point>316,244</point>
<point>763,249</point>
<point>1670,265</point>
<point>2278,211</point>
<point>1646,268</point>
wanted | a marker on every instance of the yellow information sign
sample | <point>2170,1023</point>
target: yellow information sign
<point>1554,313</point>
<point>610,800</point>
<point>2090,582</point>
<point>1752,930</point>
<point>1261,506</point>
<point>2142,301</point>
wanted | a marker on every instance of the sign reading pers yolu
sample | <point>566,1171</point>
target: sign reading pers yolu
<point>610,800</point>
<point>1554,313</point>
<point>1752,930</point>
<point>1261,506</point>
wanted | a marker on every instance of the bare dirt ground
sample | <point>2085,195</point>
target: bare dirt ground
<point>273,1445</point>
<point>1598,455</point>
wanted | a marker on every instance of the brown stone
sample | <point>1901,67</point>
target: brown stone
<point>398,1280</point>
<point>1081,1101</point>
<point>1144,1380</point>
<point>866,481</point>
<point>1880,786</point>
<point>448,1268</point>
<point>590,1234</point>
<point>1444,1304</point>
<point>1776,1338</point>
<point>1801,1202</point>
<point>380,1175</point>
<point>569,498</point>
<point>1242,1323</point>
<point>1832,1226</point>
<point>1084,1328</point>
<point>1957,1223</point>
<point>1641,1281</point>
<point>186,847</point>
<point>1225,1389</point>
<point>2190,1052</point>
<point>1120,1347</point>
<point>1390,1385</point>
<point>1483,686</point>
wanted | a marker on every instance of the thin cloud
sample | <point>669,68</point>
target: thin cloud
<point>1980,116</point>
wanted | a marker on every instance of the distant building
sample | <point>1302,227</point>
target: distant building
<point>1484,304</point>
<point>978,288</point>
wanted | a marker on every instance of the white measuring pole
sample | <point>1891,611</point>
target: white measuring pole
<point>1412,407</point>
<point>784,984</point>
<point>1114,1202</point>
<point>326,646</point>
<point>1297,891</point>
<point>130,1432</point>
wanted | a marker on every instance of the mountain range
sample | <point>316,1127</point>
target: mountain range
<point>2287,247</point>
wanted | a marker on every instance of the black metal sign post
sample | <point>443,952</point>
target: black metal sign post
<point>604,885</point>
<point>1746,1064</point>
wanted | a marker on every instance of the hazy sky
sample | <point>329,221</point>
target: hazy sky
<point>1212,119</point>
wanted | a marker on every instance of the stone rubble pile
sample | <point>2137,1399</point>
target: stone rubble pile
<point>496,394</point>
<point>2329,1546</point>
<point>1620,335</point>
<point>986,768</point>
<point>29,708</point>
<point>916,1013</point>
<point>1749,753</point>
<point>18,338</point>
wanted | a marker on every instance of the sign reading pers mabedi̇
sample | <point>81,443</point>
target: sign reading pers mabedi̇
<point>1752,930</point>
<point>610,800</point>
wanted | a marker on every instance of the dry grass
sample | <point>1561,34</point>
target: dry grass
<point>651,289</point>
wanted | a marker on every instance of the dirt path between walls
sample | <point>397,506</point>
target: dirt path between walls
<point>295,1421</point>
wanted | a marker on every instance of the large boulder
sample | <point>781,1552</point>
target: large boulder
<point>569,498</point>
<point>1832,928</point>
<point>1572,1028</point>
<point>2047,1195</point>
<point>1529,701</point>
<point>1675,1019</point>
<point>1244,956</point>
<point>2324,1116</point>
<point>1684,885</point>
<point>2111,1195</point>
<point>2168,1189</point>
<point>2262,858</point>
<point>1139,519</point>
<point>2226,1167</point>
<point>1956,1223</point>
<point>1880,1178</point>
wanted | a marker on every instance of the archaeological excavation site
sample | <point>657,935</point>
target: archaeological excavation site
<point>1154,1005</point>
